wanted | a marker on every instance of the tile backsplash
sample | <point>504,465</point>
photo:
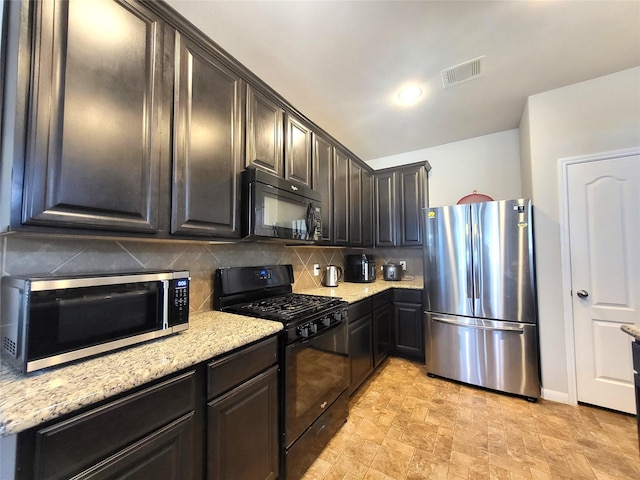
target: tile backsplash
<point>50,255</point>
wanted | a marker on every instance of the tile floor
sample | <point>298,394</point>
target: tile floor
<point>405,425</point>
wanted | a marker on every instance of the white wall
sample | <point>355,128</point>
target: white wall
<point>595,116</point>
<point>489,164</point>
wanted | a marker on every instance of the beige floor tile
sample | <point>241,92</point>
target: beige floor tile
<point>404,425</point>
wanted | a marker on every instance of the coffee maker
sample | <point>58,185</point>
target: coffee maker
<point>360,268</point>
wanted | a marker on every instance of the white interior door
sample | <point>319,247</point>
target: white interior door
<point>604,230</point>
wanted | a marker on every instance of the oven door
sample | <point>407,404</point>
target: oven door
<point>317,372</point>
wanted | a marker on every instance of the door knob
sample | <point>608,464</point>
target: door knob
<point>583,293</point>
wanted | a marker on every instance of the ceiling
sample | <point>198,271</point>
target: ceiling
<point>341,62</point>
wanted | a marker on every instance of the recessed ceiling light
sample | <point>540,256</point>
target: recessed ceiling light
<point>409,94</point>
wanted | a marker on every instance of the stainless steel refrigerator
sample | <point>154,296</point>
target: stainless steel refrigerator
<point>480,296</point>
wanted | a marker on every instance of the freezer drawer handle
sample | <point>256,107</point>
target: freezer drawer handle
<point>480,327</point>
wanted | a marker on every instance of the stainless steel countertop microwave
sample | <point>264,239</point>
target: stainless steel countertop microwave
<point>276,209</point>
<point>48,321</point>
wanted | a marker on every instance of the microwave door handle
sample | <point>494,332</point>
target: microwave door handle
<point>310,220</point>
<point>165,304</point>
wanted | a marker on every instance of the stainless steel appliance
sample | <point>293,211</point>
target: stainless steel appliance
<point>315,364</point>
<point>48,321</point>
<point>332,275</point>
<point>360,268</point>
<point>479,295</point>
<point>392,272</point>
<point>277,209</point>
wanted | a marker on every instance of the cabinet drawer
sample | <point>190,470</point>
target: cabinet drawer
<point>635,348</point>
<point>407,295</point>
<point>227,372</point>
<point>382,299</point>
<point>73,445</point>
<point>359,309</point>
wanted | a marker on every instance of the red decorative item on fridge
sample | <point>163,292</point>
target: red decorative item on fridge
<point>475,197</point>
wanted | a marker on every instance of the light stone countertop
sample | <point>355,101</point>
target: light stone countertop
<point>631,330</point>
<point>29,400</point>
<point>37,397</point>
<point>353,292</point>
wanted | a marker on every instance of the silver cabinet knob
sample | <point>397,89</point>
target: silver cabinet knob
<point>583,293</point>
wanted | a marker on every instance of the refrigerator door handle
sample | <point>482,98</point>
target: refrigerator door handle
<point>519,330</point>
<point>471,287</point>
<point>476,239</point>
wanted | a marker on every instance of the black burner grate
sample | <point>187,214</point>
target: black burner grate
<point>285,307</point>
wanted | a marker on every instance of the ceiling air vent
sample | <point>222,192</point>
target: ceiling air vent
<point>462,72</point>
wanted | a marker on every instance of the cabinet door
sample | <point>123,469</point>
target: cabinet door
<point>264,132</point>
<point>298,151</point>
<point>408,330</point>
<point>208,144</point>
<point>323,182</point>
<point>243,431</point>
<point>341,199</point>
<point>411,201</point>
<point>367,209</point>
<point>381,333</point>
<point>163,454</point>
<point>360,351</point>
<point>385,218</point>
<point>355,204</point>
<point>93,146</point>
<point>88,440</point>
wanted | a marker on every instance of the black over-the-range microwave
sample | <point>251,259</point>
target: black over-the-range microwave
<point>48,321</point>
<point>277,209</point>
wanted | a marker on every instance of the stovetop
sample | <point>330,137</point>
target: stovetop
<point>286,308</point>
<point>265,291</point>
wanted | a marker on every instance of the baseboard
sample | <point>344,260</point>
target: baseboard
<point>555,396</point>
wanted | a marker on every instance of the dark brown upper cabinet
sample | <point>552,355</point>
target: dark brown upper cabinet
<point>94,123</point>
<point>208,144</point>
<point>265,125</point>
<point>355,204</point>
<point>412,195</point>
<point>323,157</point>
<point>385,218</point>
<point>367,209</point>
<point>297,155</point>
<point>341,198</point>
<point>400,195</point>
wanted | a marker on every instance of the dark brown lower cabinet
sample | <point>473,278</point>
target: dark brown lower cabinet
<point>408,324</point>
<point>635,349</point>
<point>242,414</point>
<point>163,454</point>
<point>360,343</point>
<point>382,321</point>
<point>150,433</point>
<point>166,429</point>
<point>389,323</point>
<point>243,431</point>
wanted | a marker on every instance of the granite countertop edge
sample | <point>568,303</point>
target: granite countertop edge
<point>631,330</point>
<point>28,400</point>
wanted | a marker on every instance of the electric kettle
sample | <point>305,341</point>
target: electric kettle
<point>332,275</point>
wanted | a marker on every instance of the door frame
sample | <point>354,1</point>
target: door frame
<point>565,256</point>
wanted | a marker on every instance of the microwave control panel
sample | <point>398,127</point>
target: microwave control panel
<point>179,301</point>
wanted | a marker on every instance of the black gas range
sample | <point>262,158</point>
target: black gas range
<point>314,356</point>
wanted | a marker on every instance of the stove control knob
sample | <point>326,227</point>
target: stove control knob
<point>326,321</point>
<point>337,316</point>
<point>303,331</point>
<point>313,327</point>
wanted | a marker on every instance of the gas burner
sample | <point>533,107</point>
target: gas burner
<point>285,307</point>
